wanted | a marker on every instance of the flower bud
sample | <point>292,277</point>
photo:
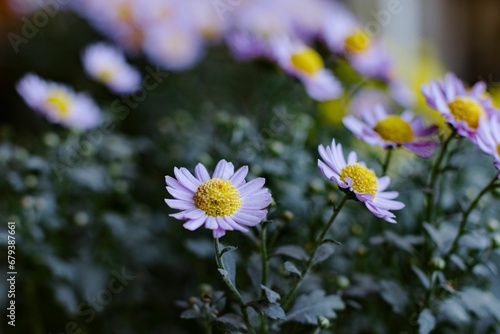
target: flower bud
<point>343,282</point>
<point>438,263</point>
<point>493,225</point>
<point>323,322</point>
<point>496,241</point>
<point>287,215</point>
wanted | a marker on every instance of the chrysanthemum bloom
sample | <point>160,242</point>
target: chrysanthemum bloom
<point>488,138</point>
<point>107,64</point>
<point>223,202</point>
<point>307,65</point>
<point>174,45</point>
<point>355,178</point>
<point>59,103</point>
<point>389,131</point>
<point>461,108</point>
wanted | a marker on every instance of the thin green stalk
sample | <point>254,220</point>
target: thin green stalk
<point>434,177</point>
<point>263,253</point>
<point>387,161</point>
<point>461,229</point>
<point>231,286</point>
<point>336,210</point>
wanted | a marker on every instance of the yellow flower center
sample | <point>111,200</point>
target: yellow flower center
<point>395,129</point>
<point>124,12</point>
<point>105,76</point>
<point>357,42</point>
<point>308,61</point>
<point>468,110</point>
<point>60,101</point>
<point>364,181</point>
<point>498,149</point>
<point>217,197</point>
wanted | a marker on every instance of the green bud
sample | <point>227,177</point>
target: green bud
<point>287,215</point>
<point>343,282</point>
<point>493,225</point>
<point>496,241</point>
<point>323,322</point>
<point>438,263</point>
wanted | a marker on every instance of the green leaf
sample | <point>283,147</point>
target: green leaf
<point>228,249</point>
<point>233,320</point>
<point>271,295</point>
<point>393,294</point>
<point>453,310</point>
<point>274,311</point>
<point>292,251</point>
<point>426,322</point>
<point>190,314</point>
<point>421,276</point>
<point>308,308</point>
<point>229,261</point>
<point>325,250</point>
<point>290,267</point>
<point>270,310</point>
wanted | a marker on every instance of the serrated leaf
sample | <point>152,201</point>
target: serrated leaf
<point>292,251</point>
<point>421,276</point>
<point>232,319</point>
<point>394,295</point>
<point>190,314</point>
<point>426,322</point>
<point>270,310</point>
<point>272,296</point>
<point>274,311</point>
<point>325,250</point>
<point>308,308</point>
<point>290,267</point>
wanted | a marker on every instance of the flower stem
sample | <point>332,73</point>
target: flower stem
<point>461,229</point>
<point>263,253</point>
<point>231,286</point>
<point>387,161</point>
<point>434,177</point>
<point>336,210</point>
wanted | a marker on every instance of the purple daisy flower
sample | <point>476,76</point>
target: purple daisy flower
<point>389,131</point>
<point>223,202</point>
<point>306,64</point>
<point>462,108</point>
<point>59,103</point>
<point>488,138</point>
<point>354,176</point>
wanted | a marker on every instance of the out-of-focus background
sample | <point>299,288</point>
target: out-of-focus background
<point>91,215</point>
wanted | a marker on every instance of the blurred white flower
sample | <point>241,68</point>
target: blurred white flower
<point>107,64</point>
